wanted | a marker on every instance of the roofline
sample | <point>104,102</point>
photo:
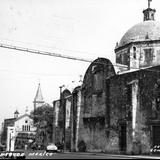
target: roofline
<point>23,116</point>
<point>134,71</point>
<point>9,119</point>
<point>135,42</point>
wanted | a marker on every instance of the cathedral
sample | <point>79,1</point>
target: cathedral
<point>19,130</point>
<point>118,111</point>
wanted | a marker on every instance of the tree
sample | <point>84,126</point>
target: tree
<point>43,120</point>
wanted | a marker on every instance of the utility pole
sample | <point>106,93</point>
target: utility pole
<point>54,124</point>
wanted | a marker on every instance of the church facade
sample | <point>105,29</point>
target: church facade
<point>18,132</point>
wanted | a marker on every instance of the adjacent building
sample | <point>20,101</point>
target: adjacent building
<point>18,131</point>
<point>8,122</point>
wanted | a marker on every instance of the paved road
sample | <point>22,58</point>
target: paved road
<point>44,155</point>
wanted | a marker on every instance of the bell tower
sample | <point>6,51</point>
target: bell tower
<point>38,100</point>
<point>16,114</point>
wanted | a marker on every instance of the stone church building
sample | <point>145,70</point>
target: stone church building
<point>119,112</point>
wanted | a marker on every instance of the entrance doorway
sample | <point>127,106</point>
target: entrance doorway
<point>156,135</point>
<point>123,138</point>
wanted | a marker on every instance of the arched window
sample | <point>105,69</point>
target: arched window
<point>134,53</point>
<point>98,81</point>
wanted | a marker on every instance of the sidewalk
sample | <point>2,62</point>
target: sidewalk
<point>117,155</point>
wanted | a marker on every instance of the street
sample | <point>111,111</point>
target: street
<point>44,155</point>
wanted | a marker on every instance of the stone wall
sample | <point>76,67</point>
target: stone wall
<point>61,126</point>
<point>118,115</point>
<point>139,114</point>
<point>93,109</point>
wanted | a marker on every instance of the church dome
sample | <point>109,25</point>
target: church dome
<point>147,30</point>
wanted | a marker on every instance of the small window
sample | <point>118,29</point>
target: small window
<point>26,121</point>
<point>98,81</point>
<point>134,53</point>
<point>120,58</point>
<point>129,94</point>
<point>125,59</point>
<point>149,55</point>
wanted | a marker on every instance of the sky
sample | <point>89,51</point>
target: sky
<point>81,28</point>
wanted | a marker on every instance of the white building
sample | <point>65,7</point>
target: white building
<point>22,125</point>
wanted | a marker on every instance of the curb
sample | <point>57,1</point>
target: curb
<point>114,155</point>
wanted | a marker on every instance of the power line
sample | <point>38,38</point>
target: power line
<point>51,47</point>
<point>63,56</point>
<point>43,52</point>
<point>52,54</point>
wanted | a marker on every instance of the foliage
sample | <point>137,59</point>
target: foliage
<point>82,146</point>
<point>43,120</point>
<point>23,139</point>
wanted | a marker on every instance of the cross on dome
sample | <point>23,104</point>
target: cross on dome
<point>149,3</point>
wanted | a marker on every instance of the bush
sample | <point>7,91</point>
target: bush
<point>82,146</point>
